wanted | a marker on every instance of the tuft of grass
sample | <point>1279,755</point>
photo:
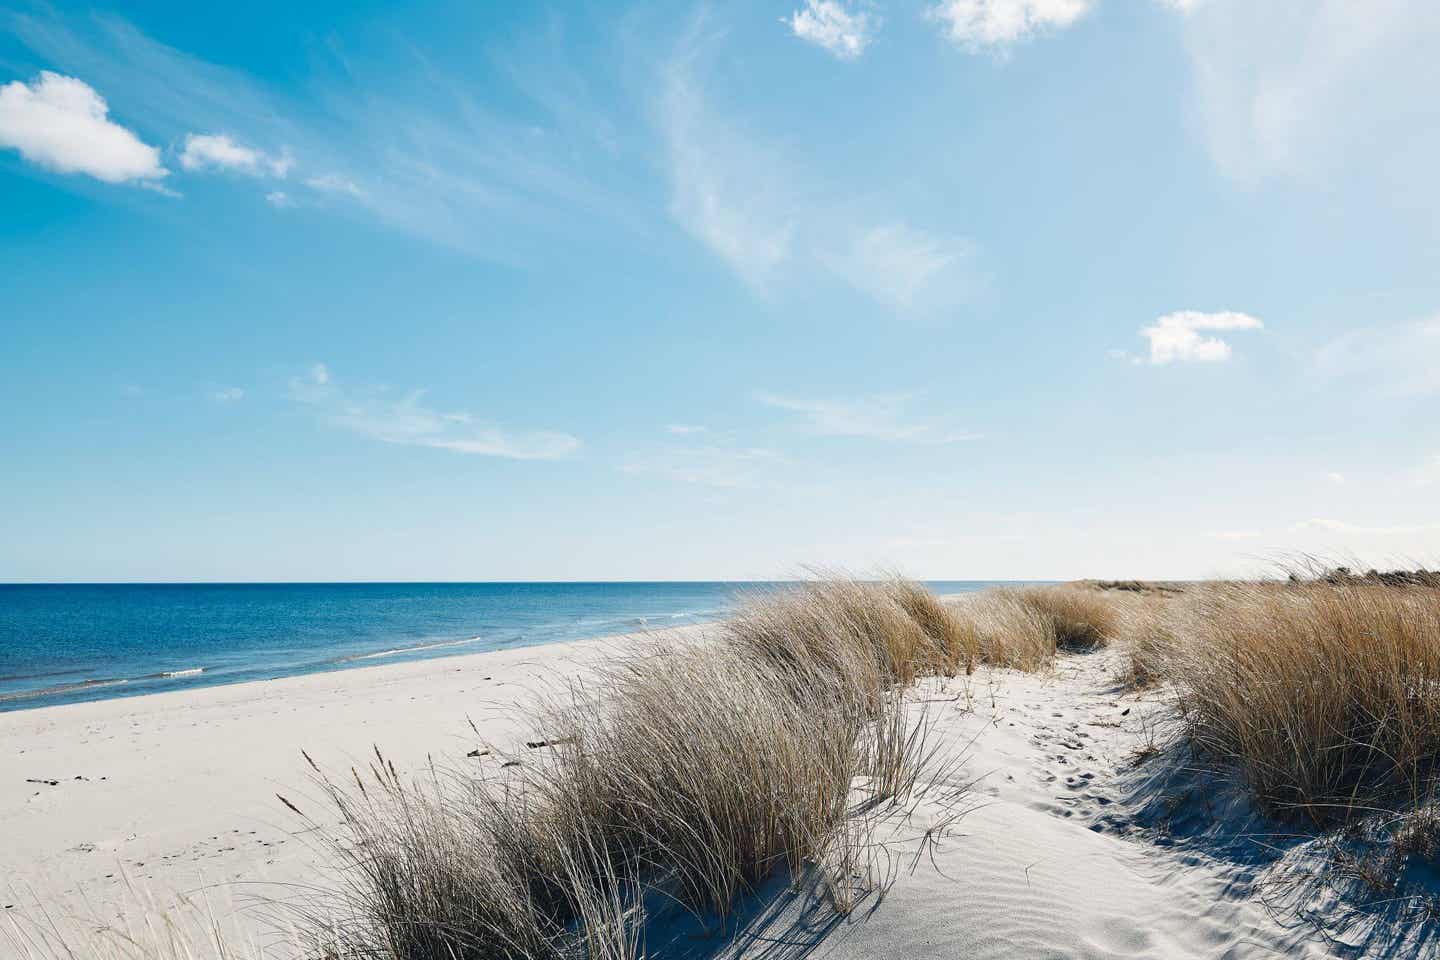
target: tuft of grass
<point>1023,628</point>
<point>1010,632</point>
<point>1326,695</point>
<point>1146,629</point>
<point>683,774</point>
<point>953,646</point>
<point>1078,618</point>
<point>855,630</point>
<point>147,929</point>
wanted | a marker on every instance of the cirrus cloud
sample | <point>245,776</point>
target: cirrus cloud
<point>63,124</point>
<point>406,421</point>
<point>1400,360</point>
<point>873,416</point>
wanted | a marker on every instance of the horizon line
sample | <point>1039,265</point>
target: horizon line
<point>336,583</point>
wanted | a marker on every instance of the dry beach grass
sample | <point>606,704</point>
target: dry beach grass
<point>1326,696</point>
<point>681,773</point>
<point>684,774</point>
<point>681,779</point>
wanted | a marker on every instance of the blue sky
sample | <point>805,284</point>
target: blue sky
<point>973,288</point>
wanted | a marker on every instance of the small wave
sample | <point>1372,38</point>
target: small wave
<point>418,648</point>
<point>12,677</point>
<point>171,674</point>
<point>61,688</point>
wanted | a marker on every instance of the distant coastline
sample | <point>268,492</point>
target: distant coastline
<point>79,642</point>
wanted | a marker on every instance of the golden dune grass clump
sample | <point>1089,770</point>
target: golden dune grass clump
<point>882,633</point>
<point>1327,696</point>
<point>1146,629</point>
<point>684,773</point>
<point>1024,627</point>
<point>1079,618</point>
<point>857,630</point>
<point>952,643</point>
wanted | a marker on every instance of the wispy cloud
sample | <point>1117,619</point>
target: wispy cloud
<point>279,199</point>
<point>997,25</point>
<point>406,420</point>
<point>710,465</point>
<point>905,268</point>
<point>1306,89</point>
<point>682,429</point>
<point>1326,525</point>
<point>834,26</point>
<point>1234,535</point>
<point>876,416</point>
<point>335,183</point>
<point>417,152</point>
<point>726,188</point>
<point>758,209</point>
<point>1177,338</point>
<point>219,151</point>
<point>227,394</point>
<point>1397,359</point>
<point>62,124</point>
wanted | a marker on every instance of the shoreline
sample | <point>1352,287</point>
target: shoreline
<point>208,678</point>
<point>225,644</point>
<point>175,791</point>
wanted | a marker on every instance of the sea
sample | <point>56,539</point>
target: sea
<point>66,643</point>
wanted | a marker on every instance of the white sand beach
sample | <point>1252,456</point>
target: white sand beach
<point>176,792</point>
<point>1056,857</point>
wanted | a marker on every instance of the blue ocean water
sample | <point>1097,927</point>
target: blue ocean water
<point>62,643</point>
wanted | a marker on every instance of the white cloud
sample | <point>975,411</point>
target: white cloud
<point>710,466</point>
<point>218,151</point>
<point>406,421</point>
<point>998,24</point>
<point>1336,478</point>
<point>499,178</point>
<point>877,416</point>
<point>279,199</point>
<point>1183,6</point>
<point>227,395</point>
<point>62,124</point>
<point>827,23</point>
<point>1175,337</point>
<point>681,429</point>
<point>902,268</point>
<point>1401,360</point>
